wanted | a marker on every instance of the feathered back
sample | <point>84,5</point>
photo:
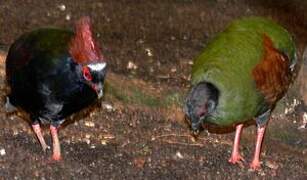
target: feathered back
<point>83,47</point>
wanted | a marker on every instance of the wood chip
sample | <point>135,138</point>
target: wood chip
<point>271,164</point>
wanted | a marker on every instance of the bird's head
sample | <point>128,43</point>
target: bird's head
<point>201,102</point>
<point>94,75</point>
<point>86,52</point>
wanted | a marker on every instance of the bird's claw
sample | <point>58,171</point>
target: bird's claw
<point>255,165</point>
<point>303,126</point>
<point>234,159</point>
<point>237,159</point>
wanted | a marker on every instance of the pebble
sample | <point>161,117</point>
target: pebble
<point>193,139</point>
<point>89,124</point>
<point>15,132</point>
<point>68,17</point>
<point>190,62</point>
<point>131,65</point>
<point>148,52</point>
<point>304,125</point>
<point>271,164</point>
<point>62,7</point>
<point>179,155</point>
<point>2,152</point>
<point>108,107</point>
<point>262,173</point>
<point>103,142</point>
<point>87,136</point>
<point>87,141</point>
<point>173,70</point>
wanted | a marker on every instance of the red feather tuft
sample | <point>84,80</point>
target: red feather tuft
<point>83,47</point>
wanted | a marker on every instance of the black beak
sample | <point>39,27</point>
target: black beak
<point>195,124</point>
<point>196,128</point>
<point>195,133</point>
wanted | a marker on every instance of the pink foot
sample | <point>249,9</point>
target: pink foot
<point>39,135</point>
<point>54,160</point>
<point>236,158</point>
<point>56,157</point>
<point>255,165</point>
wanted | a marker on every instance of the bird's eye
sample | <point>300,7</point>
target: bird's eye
<point>210,105</point>
<point>87,74</point>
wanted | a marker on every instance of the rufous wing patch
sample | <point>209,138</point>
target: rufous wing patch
<point>83,47</point>
<point>272,75</point>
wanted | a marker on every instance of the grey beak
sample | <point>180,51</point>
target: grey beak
<point>195,132</point>
<point>99,90</point>
<point>100,93</point>
<point>195,128</point>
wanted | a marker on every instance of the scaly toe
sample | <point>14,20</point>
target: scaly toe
<point>255,166</point>
<point>236,159</point>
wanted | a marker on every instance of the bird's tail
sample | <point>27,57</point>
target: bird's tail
<point>8,106</point>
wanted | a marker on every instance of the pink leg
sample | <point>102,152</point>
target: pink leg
<point>235,155</point>
<point>255,165</point>
<point>55,143</point>
<point>37,130</point>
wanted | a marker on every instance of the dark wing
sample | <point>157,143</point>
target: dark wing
<point>19,54</point>
<point>47,45</point>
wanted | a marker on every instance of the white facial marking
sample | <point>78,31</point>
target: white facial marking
<point>97,66</point>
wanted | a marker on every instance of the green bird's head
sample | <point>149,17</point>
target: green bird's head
<point>200,104</point>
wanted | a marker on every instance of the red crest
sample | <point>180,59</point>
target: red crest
<point>83,47</point>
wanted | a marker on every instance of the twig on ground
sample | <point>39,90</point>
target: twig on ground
<point>167,135</point>
<point>193,139</point>
<point>182,143</point>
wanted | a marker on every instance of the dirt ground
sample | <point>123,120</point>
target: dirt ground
<point>138,131</point>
